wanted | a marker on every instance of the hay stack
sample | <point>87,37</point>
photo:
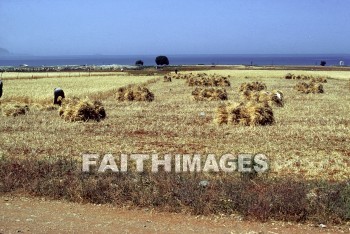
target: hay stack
<point>222,114</point>
<point>81,110</point>
<point>301,87</point>
<point>305,77</point>
<point>246,114</point>
<point>209,94</point>
<point>182,76</point>
<point>289,76</point>
<point>167,79</point>
<point>134,93</point>
<point>316,87</point>
<point>275,97</point>
<point>319,79</point>
<point>253,86</point>
<point>221,81</point>
<point>208,81</point>
<point>14,109</point>
<point>312,87</point>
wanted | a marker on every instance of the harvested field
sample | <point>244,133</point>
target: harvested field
<point>307,147</point>
<point>209,94</point>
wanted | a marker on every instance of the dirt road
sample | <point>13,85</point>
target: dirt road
<point>38,215</point>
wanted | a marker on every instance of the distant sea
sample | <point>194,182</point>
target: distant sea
<point>227,59</point>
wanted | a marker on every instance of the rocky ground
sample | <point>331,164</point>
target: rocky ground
<point>38,215</point>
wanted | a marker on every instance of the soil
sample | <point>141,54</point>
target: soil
<point>23,214</point>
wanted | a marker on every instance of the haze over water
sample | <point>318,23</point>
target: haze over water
<point>89,27</point>
<point>149,60</point>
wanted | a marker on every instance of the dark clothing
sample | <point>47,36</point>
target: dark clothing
<point>0,88</point>
<point>58,92</point>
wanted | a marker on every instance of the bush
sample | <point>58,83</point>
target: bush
<point>261,198</point>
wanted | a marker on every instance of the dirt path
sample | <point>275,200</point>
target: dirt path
<point>36,215</point>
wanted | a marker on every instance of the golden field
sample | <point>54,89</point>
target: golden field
<point>310,139</point>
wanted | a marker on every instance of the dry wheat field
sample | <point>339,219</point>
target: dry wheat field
<point>308,140</point>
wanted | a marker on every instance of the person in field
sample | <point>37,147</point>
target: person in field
<point>58,96</point>
<point>0,88</point>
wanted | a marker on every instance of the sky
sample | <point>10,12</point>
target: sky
<point>143,27</point>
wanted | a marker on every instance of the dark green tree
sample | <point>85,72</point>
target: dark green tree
<point>162,60</point>
<point>139,63</point>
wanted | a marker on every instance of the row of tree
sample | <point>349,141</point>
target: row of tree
<point>160,60</point>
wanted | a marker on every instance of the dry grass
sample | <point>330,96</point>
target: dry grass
<point>309,141</point>
<point>74,109</point>
<point>316,126</point>
<point>261,199</point>
<point>41,90</point>
<point>312,87</point>
<point>209,94</point>
<point>246,114</point>
<point>134,93</point>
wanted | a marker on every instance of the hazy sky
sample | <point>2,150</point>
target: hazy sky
<point>123,27</point>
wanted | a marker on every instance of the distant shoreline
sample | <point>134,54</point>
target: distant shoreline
<point>162,69</point>
<point>191,60</point>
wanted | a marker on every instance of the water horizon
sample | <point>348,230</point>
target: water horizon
<point>177,59</point>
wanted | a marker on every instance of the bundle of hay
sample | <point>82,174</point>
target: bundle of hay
<point>81,110</point>
<point>14,109</point>
<point>167,78</point>
<point>182,76</point>
<point>305,77</point>
<point>253,86</point>
<point>221,81</point>
<point>319,79</point>
<point>274,97</point>
<point>208,81</point>
<point>210,94</point>
<point>247,114</point>
<point>289,76</point>
<point>315,87</point>
<point>134,93</point>
<point>301,87</point>
<point>312,87</point>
